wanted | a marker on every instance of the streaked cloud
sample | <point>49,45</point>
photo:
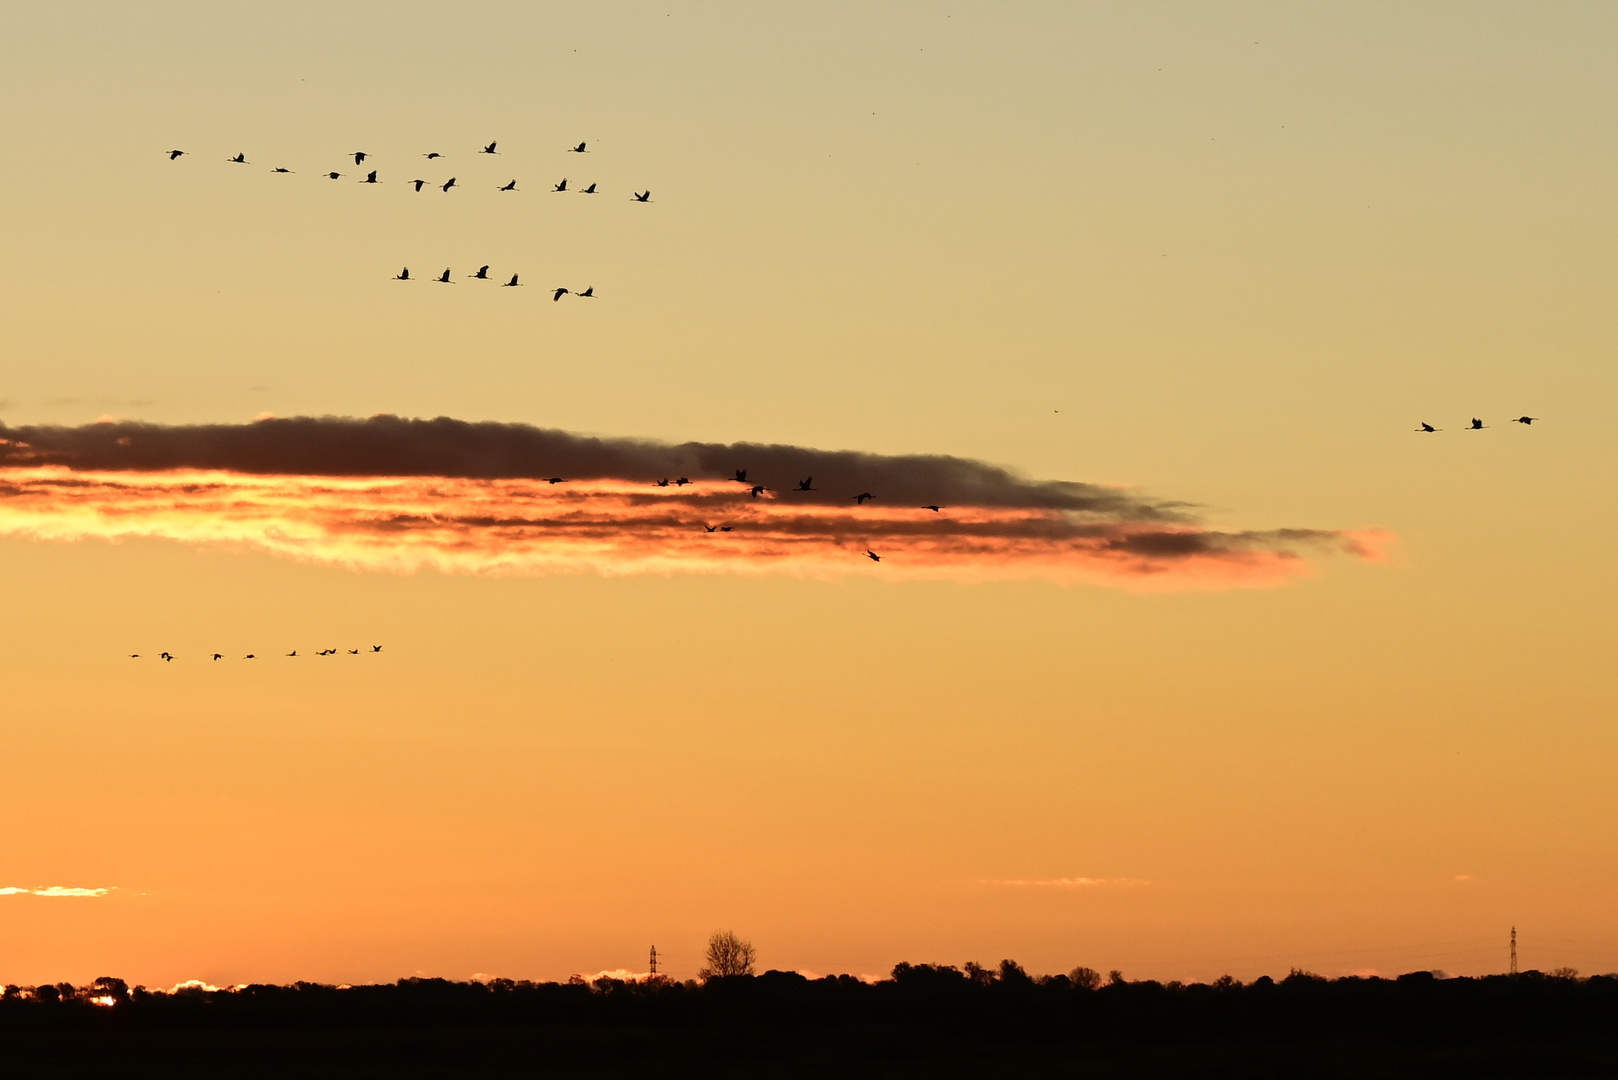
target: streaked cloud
<point>1065,882</point>
<point>404,495</point>
<point>53,890</point>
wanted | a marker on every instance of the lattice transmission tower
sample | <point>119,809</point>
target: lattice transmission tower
<point>654,957</point>
<point>1514,950</point>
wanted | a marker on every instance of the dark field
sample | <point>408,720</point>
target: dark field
<point>924,1022</point>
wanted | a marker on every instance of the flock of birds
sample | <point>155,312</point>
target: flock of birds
<point>371,177</point>
<point>1479,425</point>
<point>168,657</point>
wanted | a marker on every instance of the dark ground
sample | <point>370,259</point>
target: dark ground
<point>925,1022</point>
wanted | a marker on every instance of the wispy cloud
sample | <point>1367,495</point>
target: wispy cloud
<point>404,495</point>
<point>53,890</point>
<point>1064,882</point>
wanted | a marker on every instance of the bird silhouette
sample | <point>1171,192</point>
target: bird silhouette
<point>512,284</point>
<point>759,489</point>
<point>579,149</point>
<point>741,476</point>
<point>166,656</point>
<point>370,178</point>
<point>448,184</point>
<point>510,187</point>
<point>587,294</point>
<point>432,156</point>
<point>294,652</point>
<point>443,279</point>
<point>218,656</point>
<point>862,496</point>
<point>562,186</point>
<point>239,159</point>
<point>489,149</point>
<point>558,294</point>
<point>353,652</point>
<point>873,556</point>
<point>591,190</point>
<point>334,176</point>
<point>360,156</point>
<point>643,196</point>
<point>419,184</point>
<point>1425,426</point>
<point>175,155</point>
<point>134,656</point>
<point>682,481</point>
<point>934,507</point>
<point>403,275</point>
<point>482,274</point>
<point>278,169</point>
<point>376,648</point>
<point>663,482</point>
<point>249,656</point>
<point>1525,420</point>
<point>806,484</point>
<point>553,479</point>
<point>711,528</point>
<point>724,528</point>
<point>1477,425</point>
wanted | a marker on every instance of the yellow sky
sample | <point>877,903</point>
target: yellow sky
<point>1232,256</point>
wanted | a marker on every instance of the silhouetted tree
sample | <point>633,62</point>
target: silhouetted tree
<point>1084,978</point>
<point>727,955</point>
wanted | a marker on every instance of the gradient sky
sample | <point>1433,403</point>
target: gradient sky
<point>1230,256</point>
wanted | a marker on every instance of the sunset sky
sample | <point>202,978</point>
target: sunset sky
<point>1209,661</point>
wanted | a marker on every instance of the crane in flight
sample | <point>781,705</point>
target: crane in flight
<point>403,275</point>
<point>510,187</point>
<point>873,556</point>
<point>512,284</point>
<point>558,294</point>
<point>443,279</point>
<point>1524,420</point>
<point>482,274</point>
<point>579,149</point>
<point>562,186</point>
<point>360,156</point>
<point>806,484</point>
<point>370,178</point>
<point>591,190</point>
<point>334,176</point>
<point>419,184</point>
<point>279,169</point>
<point>587,294</point>
<point>862,496</point>
<point>448,184</point>
<point>1477,425</point>
<point>175,155</point>
<point>1425,426</point>
<point>490,149</point>
<point>239,159</point>
<point>643,196</point>
<point>934,507</point>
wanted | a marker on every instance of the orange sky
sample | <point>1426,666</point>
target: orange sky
<point>1226,259</point>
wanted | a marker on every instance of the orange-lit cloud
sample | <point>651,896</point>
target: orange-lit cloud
<point>54,891</point>
<point>390,494</point>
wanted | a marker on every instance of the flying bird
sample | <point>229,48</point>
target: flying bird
<point>249,656</point>
<point>1477,425</point>
<point>239,159</point>
<point>591,190</point>
<point>711,528</point>
<point>403,275</point>
<point>510,187</point>
<point>482,274</point>
<point>370,177</point>
<point>218,656</point>
<point>280,170</point>
<point>587,294</point>
<point>165,656</point>
<point>443,279</point>
<point>1425,426</point>
<point>873,556</point>
<point>558,294</point>
<point>579,149</point>
<point>512,284</point>
<point>1525,420</point>
<point>741,476</point>
<point>934,507</point>
<point>134,656</point>
<point>294,652</point>
<point>724,528</point>
<point>643,196</point>
<point>174,155</point>
<point>759,489</point>
<point>562,186</point>
<point>334,176</point>
<point>862,496</point>
<point>553,479</point>
<point>419,184</point>
<point>353,652</point>
<point>376,648</point>
<point>431,156</point>
<point>448,184</point>
<point>489,149</point>
<point>682,481</point>
<point>360,156</point>
<point>805,484</point>
<point>663,482</point>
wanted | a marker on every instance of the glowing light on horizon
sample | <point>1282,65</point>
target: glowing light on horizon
<point>1065,882</point>
<point>53,891</point>
<point>525,526</point>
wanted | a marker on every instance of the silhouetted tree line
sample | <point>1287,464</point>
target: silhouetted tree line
<point>1006,997</point>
